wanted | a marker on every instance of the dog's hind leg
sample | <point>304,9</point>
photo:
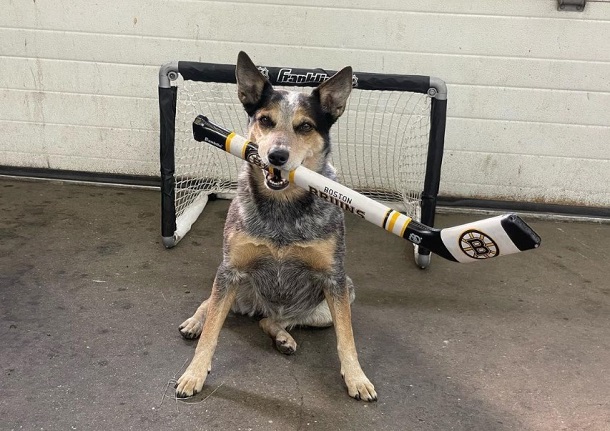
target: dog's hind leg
<point>283,340</point>
<point>191,327</point>
<point>321,316</point>
<point>219,304</point>
<point>358,385</point>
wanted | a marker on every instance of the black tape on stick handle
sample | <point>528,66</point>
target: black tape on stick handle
<point>206,131</point>
<point>470,242</point>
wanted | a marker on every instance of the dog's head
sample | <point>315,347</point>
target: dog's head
<point>290,128</point>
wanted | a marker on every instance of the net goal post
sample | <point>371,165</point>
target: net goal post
<point>387,145</point>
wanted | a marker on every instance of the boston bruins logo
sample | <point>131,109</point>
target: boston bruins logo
<point>477,245</point>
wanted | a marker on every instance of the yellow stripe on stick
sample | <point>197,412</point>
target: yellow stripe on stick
<point>291,176</point>
<point>228,142</point>
<point>393,220</point>
<point>404,226</point>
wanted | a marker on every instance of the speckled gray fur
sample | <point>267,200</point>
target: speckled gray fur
<point>287,291</point>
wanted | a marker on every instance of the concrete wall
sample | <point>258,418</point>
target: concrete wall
<point>529,87</point>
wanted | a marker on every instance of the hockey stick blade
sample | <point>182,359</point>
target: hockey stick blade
<point>484,239</point>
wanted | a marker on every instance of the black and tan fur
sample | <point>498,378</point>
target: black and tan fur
<point>283,247</point>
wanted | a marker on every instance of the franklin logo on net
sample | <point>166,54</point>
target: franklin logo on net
<point>285,76</point>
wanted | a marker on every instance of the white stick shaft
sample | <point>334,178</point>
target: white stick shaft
<point>348,199</point>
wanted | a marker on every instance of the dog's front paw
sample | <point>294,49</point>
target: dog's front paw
<point>191,328</point>
<point>190,383</point>
<point>359,386</point>
<point>285,343</point>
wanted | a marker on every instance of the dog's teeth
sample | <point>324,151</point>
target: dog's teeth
<point>275,182</point>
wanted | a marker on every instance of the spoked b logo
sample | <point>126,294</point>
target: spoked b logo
<point>477,245</point>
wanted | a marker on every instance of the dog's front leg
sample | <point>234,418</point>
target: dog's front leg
<point>220,301</point>
<point>358,385</point>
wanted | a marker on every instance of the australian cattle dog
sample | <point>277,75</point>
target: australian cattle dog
<point>283,247</point>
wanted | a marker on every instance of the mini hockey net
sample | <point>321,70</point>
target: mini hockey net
<point>385,144</point>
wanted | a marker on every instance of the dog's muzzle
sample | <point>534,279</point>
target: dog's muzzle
<point>278,157</point>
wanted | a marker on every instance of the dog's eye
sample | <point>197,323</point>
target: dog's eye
<point>265,121</point>
<point>305,128</point>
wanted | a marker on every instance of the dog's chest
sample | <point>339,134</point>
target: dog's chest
<point>246,252</point>
<point>282,280</point>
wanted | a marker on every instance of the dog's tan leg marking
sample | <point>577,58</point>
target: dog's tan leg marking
<point>194,377</point>
<point>191,327</point>
<point>283,340</point>
<point>358,385</point>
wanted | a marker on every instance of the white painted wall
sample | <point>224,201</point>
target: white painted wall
<point>529,87</point>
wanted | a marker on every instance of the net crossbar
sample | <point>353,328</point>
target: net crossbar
<point>386,145</point>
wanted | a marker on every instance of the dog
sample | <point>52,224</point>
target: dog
<point>283,247</point>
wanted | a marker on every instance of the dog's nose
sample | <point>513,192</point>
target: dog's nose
<point>278,157</point>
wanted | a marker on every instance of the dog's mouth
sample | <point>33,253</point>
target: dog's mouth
<point>274,181</point>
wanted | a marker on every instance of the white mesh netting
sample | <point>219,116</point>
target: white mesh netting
<point>379,145</point>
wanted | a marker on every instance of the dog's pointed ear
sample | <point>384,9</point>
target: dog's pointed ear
<point>333,92</point>
<point>251,84</point>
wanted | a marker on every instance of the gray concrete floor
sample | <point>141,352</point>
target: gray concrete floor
<point>91,302</point>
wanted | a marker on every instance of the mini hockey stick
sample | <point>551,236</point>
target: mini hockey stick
<point>484,239</point>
